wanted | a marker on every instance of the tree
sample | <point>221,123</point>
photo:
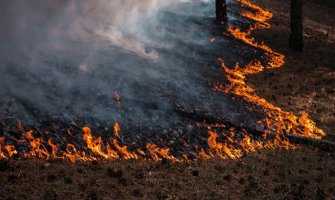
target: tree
<point>296,36</point>
<point>221,11</point>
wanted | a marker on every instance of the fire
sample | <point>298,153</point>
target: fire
<point>234,149</point>
<point>123,150</point>
<point>54,150</point>
<point>158,153</point>
<point>257,8</point>
<point>221,150</point>
<point>96,149</point>
<point>38,148</point>
<point>244,36</point>
<point>277,120</point>
<point>260,15</point>
<point>11,150</point>
<point>94,144</point>
<point>116,130</point>
<point>204,155</point>
<point>231,145</point>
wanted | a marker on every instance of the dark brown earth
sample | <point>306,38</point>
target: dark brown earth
<point>305,173</point>
<point>304,84</point>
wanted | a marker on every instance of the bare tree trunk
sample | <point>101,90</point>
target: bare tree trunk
<point>296,37</point>
<point>221,11</point>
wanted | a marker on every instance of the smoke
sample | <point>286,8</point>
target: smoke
<point>69,57</point>
<point>122,23</point>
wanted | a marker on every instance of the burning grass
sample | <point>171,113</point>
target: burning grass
<point>277,120</point>
<point>276,124</point>
<point>232,145</point>
<point>220,171</point>
<point>304,83</point>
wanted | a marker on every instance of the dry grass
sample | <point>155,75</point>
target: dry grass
<point>301,174</point>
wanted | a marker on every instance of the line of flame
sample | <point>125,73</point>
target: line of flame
<point>276,120</point>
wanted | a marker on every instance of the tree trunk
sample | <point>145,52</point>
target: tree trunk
<point>296,37</point>
<point>221,11</point>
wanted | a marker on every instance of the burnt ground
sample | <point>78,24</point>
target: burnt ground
<point>306,82</point>
<point>72,82</point>
<point>305,173</point>
<point>303,84</point>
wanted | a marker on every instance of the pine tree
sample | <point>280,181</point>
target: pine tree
<point>296,36</point>
<point>221,11</point>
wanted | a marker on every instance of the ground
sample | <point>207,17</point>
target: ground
<point>305,173</point>
<point>304,84</point>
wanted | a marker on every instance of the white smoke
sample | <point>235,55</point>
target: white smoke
<point>70,56</point>
<point>122,23</point>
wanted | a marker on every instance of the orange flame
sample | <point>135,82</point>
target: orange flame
<point>38,149</point>
<point>123,150</point>
<point>116,130</point>
<point>158,153</point>
<point>54,150</point>
<point>276,120</point>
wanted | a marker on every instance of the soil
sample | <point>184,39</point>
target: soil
<point>305,173</point>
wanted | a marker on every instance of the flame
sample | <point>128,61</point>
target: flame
<point>260,15</point>
<point>10,150</point>
<point>2,154</point>
<point>257,8</point>
<point>96,149</point>
<point>158,153</point>
<point>38,148</point>
<point>232,145</point>
<point>73,155</point>
<point>224,151</point>
<point>204,155</point>
<point>116,130</point>
<point>54,150</point>
<point>276,120</point>
<point>234,149</point>
<point>94,144</point>
<point>123,150</point>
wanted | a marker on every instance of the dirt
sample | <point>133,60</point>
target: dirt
<point>305,173</point>
<point>306,82</point>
